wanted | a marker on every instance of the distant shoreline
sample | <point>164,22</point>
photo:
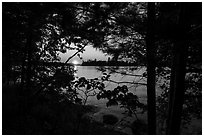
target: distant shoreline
<point>99,63</point>
<point>108,63</point>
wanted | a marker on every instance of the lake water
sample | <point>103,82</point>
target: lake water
<point>90,72</point>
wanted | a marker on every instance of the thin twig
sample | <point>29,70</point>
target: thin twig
<point>75,54</point>
<point>127,82</point>
<point>128,74</point>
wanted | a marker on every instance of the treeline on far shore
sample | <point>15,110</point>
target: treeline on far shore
<point>85,63</point>
<point>107,63</point>
<point>88,63</point>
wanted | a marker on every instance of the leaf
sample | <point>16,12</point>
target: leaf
<point>95,78</point>
<point>79,45</point>
<point>99,95</point>
<point>124,89</point>
<point>131,95</point>
<point>104,73</point>
<point>111,102</point>
<point>82,79</point>
<point>78,101</point>
<point>69,42</point>
<point>102,85</point>
<point>144,74</point>
<point>88,86</point>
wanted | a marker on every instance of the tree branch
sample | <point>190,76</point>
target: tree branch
<point>127,82</point>
<point>75,54</point>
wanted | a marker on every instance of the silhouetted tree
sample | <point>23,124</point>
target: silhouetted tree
<point>150,43</point>
<point>178,72</point>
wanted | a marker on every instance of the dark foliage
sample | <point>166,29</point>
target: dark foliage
<point>121,96</point>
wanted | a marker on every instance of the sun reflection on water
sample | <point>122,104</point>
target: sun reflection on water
<point>75,70</point>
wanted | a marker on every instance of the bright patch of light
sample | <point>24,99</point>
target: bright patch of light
<point>75,62</point>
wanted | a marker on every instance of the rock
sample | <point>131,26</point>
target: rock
<point>110,119</point>
<point>139,128</point>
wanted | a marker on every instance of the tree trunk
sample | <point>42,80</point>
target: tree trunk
<point>150,41</point>
<point>177,84</point>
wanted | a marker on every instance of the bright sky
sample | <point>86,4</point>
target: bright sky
<point>89,53</point>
